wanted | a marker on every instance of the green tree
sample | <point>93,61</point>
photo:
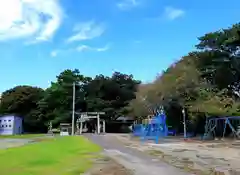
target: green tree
<point>219,58</point>
<point>205,81</point>
<point>111,94</point>
<point>23,101</point>
<point>56,105</point>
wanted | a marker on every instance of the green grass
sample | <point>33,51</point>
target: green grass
<point>22,136</point>
<point>70,155</point>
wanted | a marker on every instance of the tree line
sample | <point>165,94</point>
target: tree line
<point>205,82</point>
<point>39,106</point>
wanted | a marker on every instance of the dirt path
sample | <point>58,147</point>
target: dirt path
<point>137,161</point>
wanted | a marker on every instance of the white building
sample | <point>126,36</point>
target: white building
<point>10,125</point>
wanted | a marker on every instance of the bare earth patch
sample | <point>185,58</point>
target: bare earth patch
<point>211,158</point>
<point>108,166</point>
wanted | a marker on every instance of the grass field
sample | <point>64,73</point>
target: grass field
<point>71,155</point>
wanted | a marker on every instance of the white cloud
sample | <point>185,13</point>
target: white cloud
<point>83,48</point>
<point>127,4</point>
<point>86,31</point>
<point>54,53</point>
<point>173,13</point>
<point>57,52</point>
<point>102,49</point>
<point>30,19</point>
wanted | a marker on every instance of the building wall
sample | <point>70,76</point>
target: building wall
<point>6,125</point>
<point>18,125</point>
<point>10,125</point>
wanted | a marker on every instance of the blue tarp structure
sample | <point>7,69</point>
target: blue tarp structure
<point>155,129</point>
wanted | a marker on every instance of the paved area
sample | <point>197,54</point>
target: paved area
<point>8,143</point>
<point>137,161</point>
<point>15,142</point>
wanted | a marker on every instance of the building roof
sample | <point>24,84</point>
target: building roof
<point>124,118</point>
<point>65,124</point>
<point>10,115</point>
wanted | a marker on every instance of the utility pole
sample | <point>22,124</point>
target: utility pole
<point>184,123</point>
<point>73,107</point>
<point>98,124</point>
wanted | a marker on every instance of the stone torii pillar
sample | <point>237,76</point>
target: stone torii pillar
<point>98,124</point>
<point>104,126</point>
<point>95,115</point>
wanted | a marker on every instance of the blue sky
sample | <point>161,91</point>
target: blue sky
<point>40,38</point>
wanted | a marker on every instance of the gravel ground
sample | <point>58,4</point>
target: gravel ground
<point>108,166</point>
<point>212,157</point>
<point>136,161</point>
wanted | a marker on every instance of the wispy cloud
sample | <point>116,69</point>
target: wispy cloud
<point>58,52</point>
<point>86,31</point>
<point>127,4</point>
<point>54,53</point>
<point>80,48</point>
<point>173,13</point>
<point>35,20</point>
<point>83,48</point>
<point>103,49</point>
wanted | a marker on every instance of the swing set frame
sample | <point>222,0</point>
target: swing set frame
<point>212,125</point>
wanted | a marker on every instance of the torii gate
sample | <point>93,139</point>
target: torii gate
<point>91,115</point>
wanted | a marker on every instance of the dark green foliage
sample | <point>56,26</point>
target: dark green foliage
<point>23,101</point>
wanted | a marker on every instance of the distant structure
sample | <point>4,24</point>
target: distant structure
<point>86,116</point>
<point>65,129</point>
<point>10,125</point>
